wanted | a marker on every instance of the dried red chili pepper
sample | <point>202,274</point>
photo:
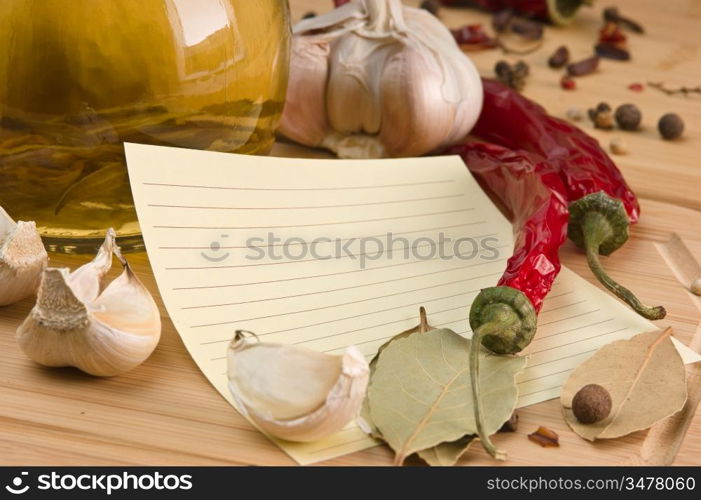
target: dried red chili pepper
<point>503,318</point>
<point>602,206</point>
<point>557,11</point>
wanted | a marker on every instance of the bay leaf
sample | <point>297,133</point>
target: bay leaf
<point>364,421</point>
<point>645,377</point>
<point>446,454</point>
<point>420,392</point>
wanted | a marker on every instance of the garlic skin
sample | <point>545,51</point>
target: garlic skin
<point>375,78</point>
<point>101,332</point>
<point>293,393</point>
<point>22,259</point>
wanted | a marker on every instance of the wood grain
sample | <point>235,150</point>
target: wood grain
<point>166,413</point>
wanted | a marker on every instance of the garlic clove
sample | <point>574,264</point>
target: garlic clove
<point>304,118</point>
<point>294,393</point>
<point>110,335</point>
<point>86,281</point>
<point>22,259</point>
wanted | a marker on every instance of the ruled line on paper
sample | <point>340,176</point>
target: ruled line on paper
<point>364,285</point>
<point>312,207</point>
<point>420,231</point>
<point>314,188</point>
<point>317,224</point>
<point>404,292</point>
<point>348,255</point>
<point>335,274</point>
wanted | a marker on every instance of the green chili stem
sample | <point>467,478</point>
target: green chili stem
<point>475,348</point>
<point>596,229</point>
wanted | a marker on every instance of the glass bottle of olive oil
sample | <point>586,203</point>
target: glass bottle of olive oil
<point>78,78</point>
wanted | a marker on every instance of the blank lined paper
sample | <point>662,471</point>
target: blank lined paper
<point>332,253</point>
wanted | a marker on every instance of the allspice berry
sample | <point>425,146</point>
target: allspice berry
<point>601,116</point>
<point>628,117</point>
<point>671,126</point>
<point>591,404</point>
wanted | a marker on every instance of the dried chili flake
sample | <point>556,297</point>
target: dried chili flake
<point>473,35</point>
<point>338,3</point>
<point>545,437</point>
<point>636,87</point>
<point>611,33</point>
<point>568,83</point>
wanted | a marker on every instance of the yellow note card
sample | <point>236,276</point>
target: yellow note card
<point>332,253</point>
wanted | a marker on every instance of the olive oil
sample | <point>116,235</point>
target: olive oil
<point>79,80</point>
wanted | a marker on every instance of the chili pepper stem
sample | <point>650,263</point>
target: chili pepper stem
<point>475,348</point>
<point>595,230</point>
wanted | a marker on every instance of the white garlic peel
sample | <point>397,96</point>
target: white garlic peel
<point>293,393</point>
<point>76,323</point>
<point>374,78</point>
<point>22,259</point>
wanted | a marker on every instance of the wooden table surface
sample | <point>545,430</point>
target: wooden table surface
<point>166,413</point>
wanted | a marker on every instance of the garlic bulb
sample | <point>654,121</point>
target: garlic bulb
<point>22,259</point>
<point>77,323</point>
<point>374,78</point>
<point>294,393</point>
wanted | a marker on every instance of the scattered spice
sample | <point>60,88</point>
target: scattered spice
<point>591,404</point>
<point>559,58</point>
<point>502,19</point>
<point>473,37</point>
<point>636,87</point>
<point>545,437</point>
<point>611,51</point>
<point>671,126</point>
<point>611,14</point>
<point>679,90</point>
<point>583,67</point>
<point>309,15</point>
<point>568,83</point>
<point>432,6</point>
<point>574,114</point>
<point>618,146</point>
<point>513,76</point>
<point>531,30</point>
<point>628,117</point>
<point>610,33</point>
<point>510,425</point>
<point>601,116</point>
<point>696,287</point>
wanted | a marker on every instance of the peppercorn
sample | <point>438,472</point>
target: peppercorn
<point>513,76</point>
<point>431,5</point>
<point>602,116</point>
<point>628,117</point>
<point>671,126</point>
<point>591,404</point>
